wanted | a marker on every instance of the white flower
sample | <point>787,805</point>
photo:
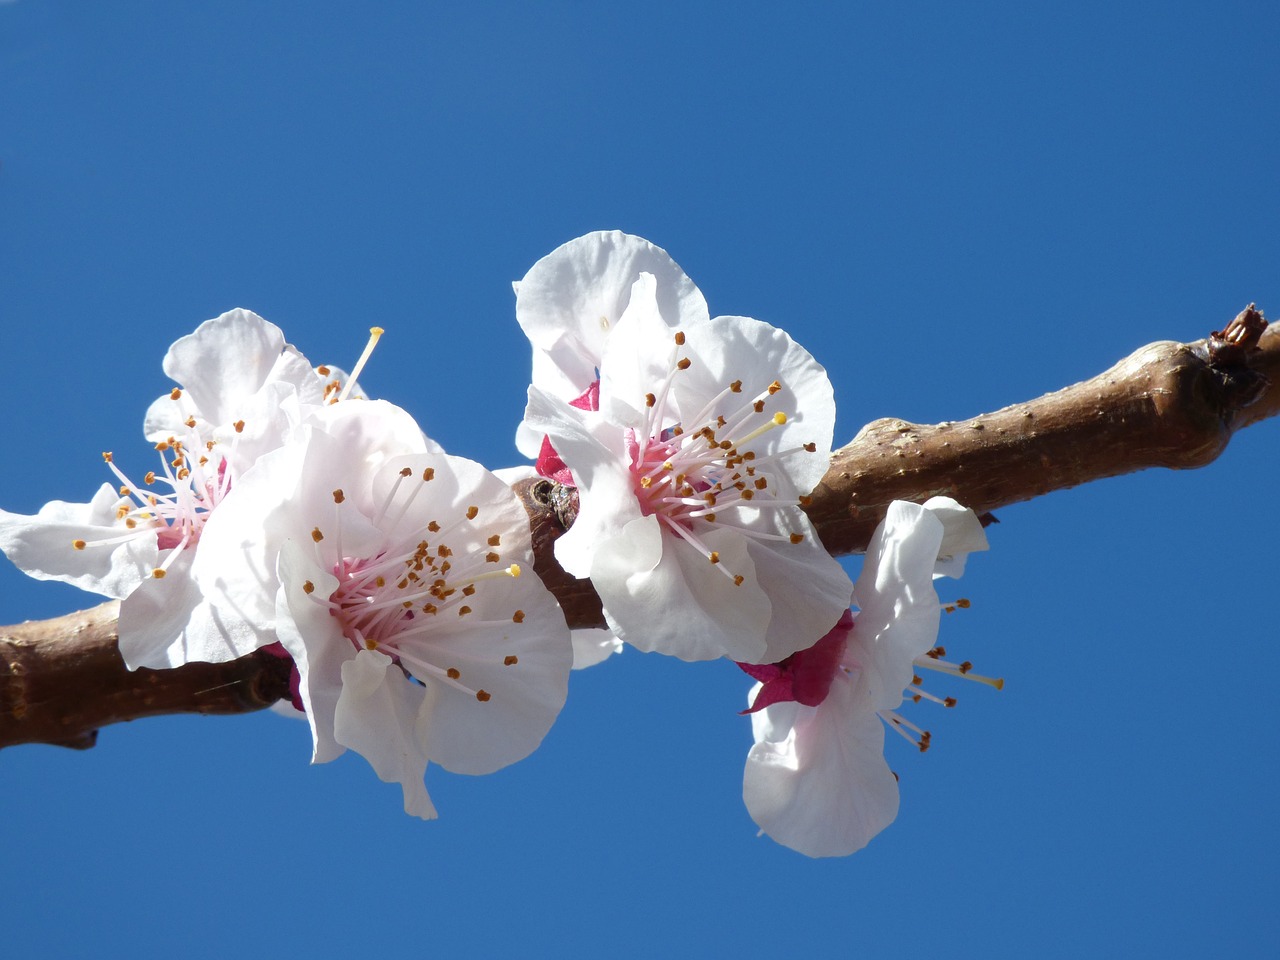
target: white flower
<point>570,300</point>
<point>243,389</point>
<point>816,779</point>
<point>690,478</point>
<point>391,573</point>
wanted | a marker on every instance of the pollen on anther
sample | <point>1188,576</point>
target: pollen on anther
<point>106,455</point>
<point>429,474</point>
<point>714,557</point>
<point>472,512</point>
<point>190,421</point>
<point>239,426</point>
<point>175,393</point>
<point>308,587</point>
<point>79,544</point>
<point>316,535</point>
<point>510,660</point>
<point>797,537</point>
<point>738,580</point>
<point>684,364</point>
<point>452,673</point>
<point>483,696</point>
<point>339,496</point>
<point>158,573</point>
<point>380,581</point>
<point>518,617</point>
<point>774,387</point>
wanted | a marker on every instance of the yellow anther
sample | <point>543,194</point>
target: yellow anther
<point>779,418</point>
<point>514,570</point>
<point>158,573</point>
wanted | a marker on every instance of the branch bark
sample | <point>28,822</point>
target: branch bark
<point>1173,405</point>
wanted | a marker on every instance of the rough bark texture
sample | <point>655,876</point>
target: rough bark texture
<point>1169,404</point>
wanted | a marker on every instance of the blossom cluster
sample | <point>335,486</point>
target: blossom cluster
<point>291,513</point>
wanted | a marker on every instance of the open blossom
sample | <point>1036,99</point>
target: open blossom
<point>243,389</point>
<point>690,479</point>
<point>570,301</point>
<point>816,779</point>
<point>392,574</point>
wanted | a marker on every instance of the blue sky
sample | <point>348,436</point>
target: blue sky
<point>953,206</point>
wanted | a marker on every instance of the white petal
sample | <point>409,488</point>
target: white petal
<point>825,790</point>
<point>157,628</point>
<point>639,356</point>
<point>225,360</point>
<point>660,594</point>
<point>962,535</point>
<point>593,449</point>
<point>113,561</point>
<point>739,348</point>
<point>377,716</point>
<point>573,297</point>
<point>315,641</point>
<point>898,609</point>
<point>593,646</point>
<point>807,588</point>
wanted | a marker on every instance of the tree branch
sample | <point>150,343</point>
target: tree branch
<point>1169,404</point>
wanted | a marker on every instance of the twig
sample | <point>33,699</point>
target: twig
<point>1172,405</point>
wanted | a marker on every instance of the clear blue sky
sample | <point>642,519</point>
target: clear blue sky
<point>953,206</point>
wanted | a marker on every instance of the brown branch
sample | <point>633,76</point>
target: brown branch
<point>1169,405</point>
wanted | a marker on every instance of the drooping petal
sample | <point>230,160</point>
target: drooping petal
<point>962,535</point>
<point>379,716</point>
<point>824,789</point>
<point>898,609</point>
